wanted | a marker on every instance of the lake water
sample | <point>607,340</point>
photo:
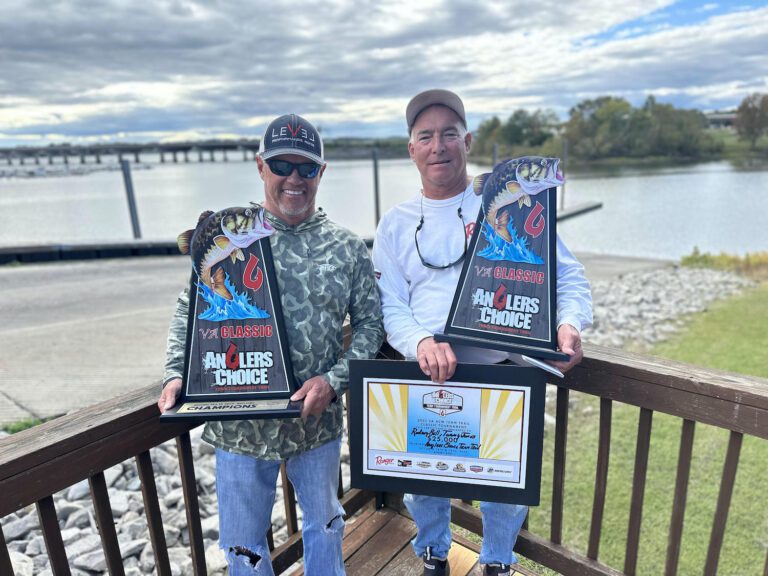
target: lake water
<point>662,213</point>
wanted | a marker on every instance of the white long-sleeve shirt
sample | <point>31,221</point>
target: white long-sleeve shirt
<point>416,300</point>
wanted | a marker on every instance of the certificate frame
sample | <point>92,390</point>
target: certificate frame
<point>487,444</point>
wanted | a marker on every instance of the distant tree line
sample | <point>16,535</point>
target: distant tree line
<point>752,118</point>
<point>604,127</point>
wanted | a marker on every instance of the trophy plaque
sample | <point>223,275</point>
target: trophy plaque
<point>506,298</point>
<point>237,364</point>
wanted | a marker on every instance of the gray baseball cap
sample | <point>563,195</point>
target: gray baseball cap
<point>429,98</point>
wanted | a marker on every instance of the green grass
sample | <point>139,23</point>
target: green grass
<point>14,427</point>
<point>730,336</point>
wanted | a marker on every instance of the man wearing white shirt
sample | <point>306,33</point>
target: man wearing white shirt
<point>419,248</point>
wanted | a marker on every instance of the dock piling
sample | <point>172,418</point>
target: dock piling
<point>126,167</point>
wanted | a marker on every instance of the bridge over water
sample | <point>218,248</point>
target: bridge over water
<point>191,151</point>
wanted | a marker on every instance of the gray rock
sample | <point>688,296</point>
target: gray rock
<point>12,517</point>
<point>78,491</point>
<point>35,547</point>
<point>111,475</point>
<point>134,530</point>
<point>133,548</point>
<point>40,563</point>
<point>118,502</point>
<point>92,562</point>
<point>136,505</point>
<point>19,546</point>
<point>210,527</point>
<point>173,498</point>
<point>79,519</point>
<point>69,535</point>
<point>147,559</point>
<point>134,484</point>
<point>205,480</point>
<point>65,509</point>
<point>215,560</point>
<point>20,528</point>
<point>22,565</point>
<point>163,484</point>
<point>130,516</point>
<point>181,557</point>
<point>84,545</point>
<point>172,535</point>
<point>164,462</point>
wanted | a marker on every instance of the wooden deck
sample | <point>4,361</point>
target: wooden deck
<point>377,542</point>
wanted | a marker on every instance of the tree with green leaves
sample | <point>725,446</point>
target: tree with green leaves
<point>752,118</point>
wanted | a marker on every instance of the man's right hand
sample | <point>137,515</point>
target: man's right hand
<point>169,395</point>
<point>436,359</point>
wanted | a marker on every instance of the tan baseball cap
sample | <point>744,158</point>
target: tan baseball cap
<point>429,98</point>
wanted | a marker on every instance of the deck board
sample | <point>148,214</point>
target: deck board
<point>382,547</point>
<point>377,542</point>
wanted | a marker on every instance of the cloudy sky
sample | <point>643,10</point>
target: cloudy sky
<point>87,70</point>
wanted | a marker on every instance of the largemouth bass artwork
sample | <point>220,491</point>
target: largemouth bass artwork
<point>515,181</point>
<point>221,235</point>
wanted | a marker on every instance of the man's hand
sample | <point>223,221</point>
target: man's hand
<point>569,341</point>
<point>169,395</point>
<point>317,394</point>
<point>436,359</point>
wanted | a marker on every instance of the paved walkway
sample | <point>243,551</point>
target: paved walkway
<point>77,333</point>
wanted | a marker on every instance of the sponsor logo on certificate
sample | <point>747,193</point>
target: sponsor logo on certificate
<point>443,402</point>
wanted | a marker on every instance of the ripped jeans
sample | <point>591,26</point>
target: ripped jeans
<point>245,488</point>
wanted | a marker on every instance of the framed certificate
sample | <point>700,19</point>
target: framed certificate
<point>478,436</point>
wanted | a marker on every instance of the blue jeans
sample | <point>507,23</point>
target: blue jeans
<point>245,488</point>
<point>501,523</point>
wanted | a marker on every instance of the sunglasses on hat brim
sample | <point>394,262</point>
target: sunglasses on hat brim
<point>285,168</point>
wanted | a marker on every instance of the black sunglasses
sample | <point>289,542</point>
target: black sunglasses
<point>285,168</point>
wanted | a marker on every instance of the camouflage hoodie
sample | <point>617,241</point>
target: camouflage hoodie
<point>323,273</point>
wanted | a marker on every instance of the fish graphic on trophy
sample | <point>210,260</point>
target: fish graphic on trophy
<point>220,236</point>
<point>510,185</point>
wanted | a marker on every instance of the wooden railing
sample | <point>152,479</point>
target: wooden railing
<point>695,395</point>
<point>39,462</point>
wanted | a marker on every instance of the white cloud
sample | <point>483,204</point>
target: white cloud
<point>85,69</point>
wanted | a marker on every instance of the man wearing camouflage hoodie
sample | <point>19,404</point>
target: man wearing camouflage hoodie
<point>323,273</point>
